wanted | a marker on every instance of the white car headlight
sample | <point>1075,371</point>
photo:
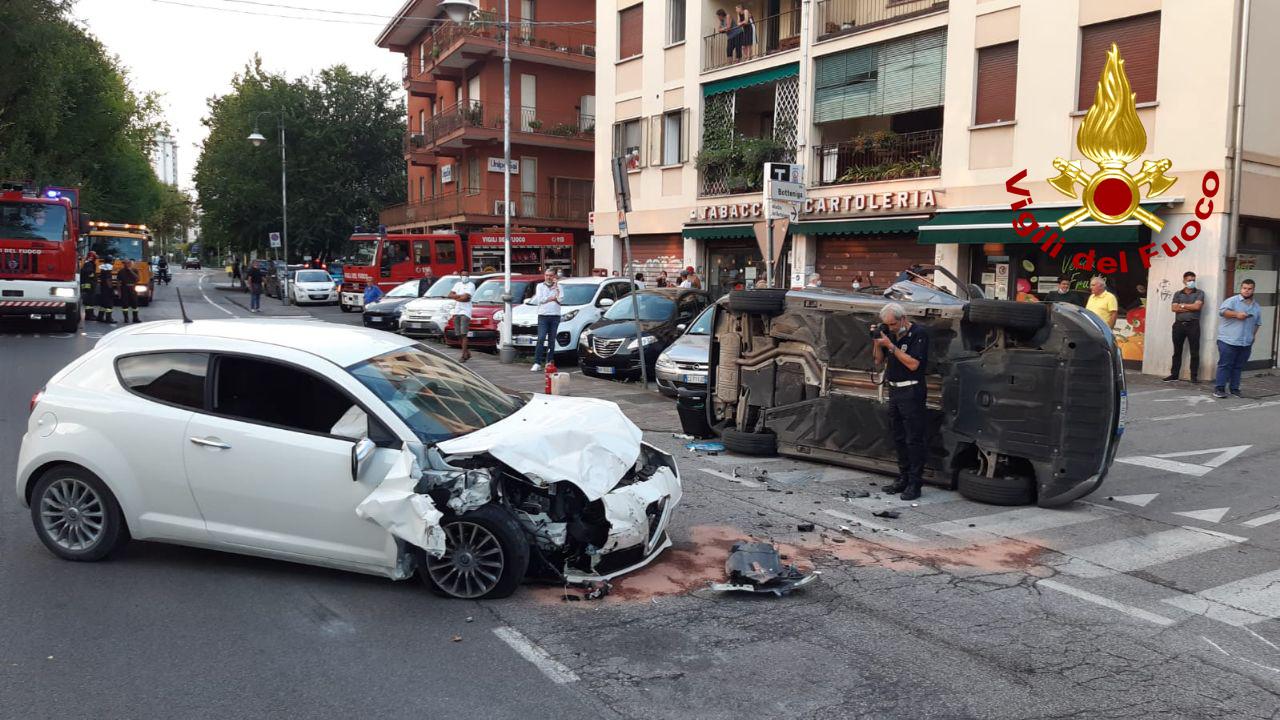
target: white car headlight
<point>569,316</point>
<point>646,340</point>
<point>63,292</point>
<point>140,288</point>
<point>665,362</point>
<point>498,316</point>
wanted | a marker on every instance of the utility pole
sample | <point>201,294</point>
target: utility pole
<point>622,188</point>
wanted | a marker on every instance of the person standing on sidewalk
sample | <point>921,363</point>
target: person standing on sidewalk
<point>1187,303</point>
<point>256,281</point>
<point>461,294</point>
<point>547,298</point>
<point>1064,293</point>
<point>1102,303</point>
<point>1241,317</point>
<point>906,346</point>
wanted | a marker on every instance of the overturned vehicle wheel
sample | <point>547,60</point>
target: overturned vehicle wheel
<point>486,556</point>
<point>1006,313</point>
<point>766,301</point>
<point>761,444</point>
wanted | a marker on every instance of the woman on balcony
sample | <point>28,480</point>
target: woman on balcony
<point>747,26</point>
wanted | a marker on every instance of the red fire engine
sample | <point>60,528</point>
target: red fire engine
<point>39,236</point>
<point>389,260</point>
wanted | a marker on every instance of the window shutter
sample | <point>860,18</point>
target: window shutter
<point>684,135</point>
<point>655,139</point>
<point>630,31</point>
<point>1139,40</point>
<point>997,84</point>
<point>911,73</point>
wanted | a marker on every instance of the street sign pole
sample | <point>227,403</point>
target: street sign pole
<point>622,187</point>
<point>783,188</point>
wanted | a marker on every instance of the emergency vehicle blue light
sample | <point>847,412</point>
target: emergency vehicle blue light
<point>52,194</point>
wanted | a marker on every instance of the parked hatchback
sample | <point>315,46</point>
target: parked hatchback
<point>385,314</point>
<point>313,286</point>
<point>683,365</point>
<point>610,347</point>
<point>485,306</point>
<point>584,301</point>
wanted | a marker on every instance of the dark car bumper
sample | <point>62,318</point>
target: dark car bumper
<point>622,364</point>
<point>38,309</point>
<point>381,321</point>
<point>475,338</point>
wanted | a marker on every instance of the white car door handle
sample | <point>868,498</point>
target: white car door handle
<point>210,443</point>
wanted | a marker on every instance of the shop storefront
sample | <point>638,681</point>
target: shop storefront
<point>1007,265</point>
<point>730,257</point>
<point>1258,259</point>
<point>872,251</point>
<point>531,253</point>
<point>654,254</point>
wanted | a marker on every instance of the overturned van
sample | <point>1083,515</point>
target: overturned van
<point>1026,401</point>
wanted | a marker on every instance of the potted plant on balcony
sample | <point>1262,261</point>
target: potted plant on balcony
<point>535,125</point>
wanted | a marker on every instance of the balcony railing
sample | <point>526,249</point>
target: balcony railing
<point>772,34</point>
<point>476,114</point>
<point>879,156</point>
<point>844,17</point>
<point>579,40</point>
<point>524,206</point>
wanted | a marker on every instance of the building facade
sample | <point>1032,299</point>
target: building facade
<point>914,120</point>
<point>164,158</point>
<point>453,77</point>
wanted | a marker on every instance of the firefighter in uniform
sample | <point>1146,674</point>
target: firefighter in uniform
<point>906,346</point>
<point>128,292</point>
<point>106,294</point>
<point>88,294</point>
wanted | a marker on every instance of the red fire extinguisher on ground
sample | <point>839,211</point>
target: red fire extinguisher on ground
<point>551,370</point>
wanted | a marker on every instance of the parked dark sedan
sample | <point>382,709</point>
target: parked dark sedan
<point>385,314</point>
<point>609,347</point>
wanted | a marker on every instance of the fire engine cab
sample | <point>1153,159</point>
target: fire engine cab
<point>39,234</point>
<point>390,260</point>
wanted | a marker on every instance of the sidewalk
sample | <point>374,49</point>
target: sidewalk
<point>271,307</point>
<point>1255,384</point>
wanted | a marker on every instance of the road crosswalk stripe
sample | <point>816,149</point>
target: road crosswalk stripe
<point>1262,520</point>
<point>1143,551</point>
<point>1243,602</point>
<point>1022,521</point>
<point>1107,602</point>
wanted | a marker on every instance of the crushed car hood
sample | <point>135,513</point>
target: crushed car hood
<point>584,441</point>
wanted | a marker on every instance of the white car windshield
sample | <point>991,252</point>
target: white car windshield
<point>313,276</point>
<point>409,289</point>
<point>653,308</point>
<point>701,326</point>
<point>575,294</point>
<point>442,286</point>
<point>436,397</point>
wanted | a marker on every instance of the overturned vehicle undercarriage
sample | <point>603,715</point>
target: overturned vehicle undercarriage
<point>564,490</point>
<point>1025,401</point>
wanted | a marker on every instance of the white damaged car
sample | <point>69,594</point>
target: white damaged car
<point>370,453</point>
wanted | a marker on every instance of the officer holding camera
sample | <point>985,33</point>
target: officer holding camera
<point>906,347</point>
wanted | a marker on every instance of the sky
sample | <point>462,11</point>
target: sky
<point>188,54</point>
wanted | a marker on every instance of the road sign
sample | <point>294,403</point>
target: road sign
<point>788,191</point>
<point>780,210</point>
<point>784,172</point>
<point>591,221</point>
<point>274,238</point>
<point>622,222</point>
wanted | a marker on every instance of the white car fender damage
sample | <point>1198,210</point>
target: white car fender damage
<point>405,513</point>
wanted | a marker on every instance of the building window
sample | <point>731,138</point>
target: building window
<point>422,57</point>
<point>473,174</point>
<point>997,84</point>
<point>630,32</point>
<point>673,137</point>
<point>675,21</point>
<point>422,121</point>
<point>628,140</point>
<point>897,76</point>
<point>422,189</point>
<point>1138,38</point>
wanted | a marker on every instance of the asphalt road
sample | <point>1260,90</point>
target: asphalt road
<point>1156,597</point>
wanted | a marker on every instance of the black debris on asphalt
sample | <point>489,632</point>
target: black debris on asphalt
<point>805,527</point>
<point>891,514</point>
<point>757,568</point>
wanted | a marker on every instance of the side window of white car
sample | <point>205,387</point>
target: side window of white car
<point>276,394</point>
<point>175,378</point>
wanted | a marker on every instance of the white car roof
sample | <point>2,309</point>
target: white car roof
<point>340,344</point>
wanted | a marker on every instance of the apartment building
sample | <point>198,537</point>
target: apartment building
<point>910,116</point>
<point>453,78</point>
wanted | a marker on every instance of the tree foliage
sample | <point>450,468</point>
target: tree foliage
<point>343,135</point>
<point>68,116</point>
<point>173,215</point>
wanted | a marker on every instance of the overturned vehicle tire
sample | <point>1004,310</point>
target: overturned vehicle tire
<point>761,444</point>
<point>765,301</point>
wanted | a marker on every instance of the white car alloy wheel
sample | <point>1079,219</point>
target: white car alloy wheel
<point>75,515</point>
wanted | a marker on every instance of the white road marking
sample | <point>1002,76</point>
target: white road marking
<point>1237,657</point>
<point>893,531</point>
<point>1262,520</point>
<point>1143,551</point>
<point>1210,515</point>
<point>1107,603</point>
<point>741,481</point>
<point>1183,416</point>
<point>1255,406</point>
<point>1013,523</point>
<point>1192,400</point>
<point>541,659</point>
<point>1150,392</point>
<point>1161,461</point>
<point>1243,602</point>
<point>200,287</point>
<point>1139,500</point>
<point>1268,642</point>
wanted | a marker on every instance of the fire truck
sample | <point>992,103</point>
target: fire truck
<point>387,260</point>
<point>125,243</point>
<point>39,236</point>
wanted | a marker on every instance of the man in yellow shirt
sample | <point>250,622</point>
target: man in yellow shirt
<point>1102,303</point>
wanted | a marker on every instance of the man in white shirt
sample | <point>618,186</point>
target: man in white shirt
<point>685,282</point>
<point>461,294</point>
<point>640,280</point>
<point>547,298</point>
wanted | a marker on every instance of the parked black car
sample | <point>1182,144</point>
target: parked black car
<point>609,348</point>
<point>271,287</point>
<point>385,314</point>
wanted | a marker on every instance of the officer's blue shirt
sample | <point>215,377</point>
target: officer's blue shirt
<point>1239,332</point>
<point>914,342</point>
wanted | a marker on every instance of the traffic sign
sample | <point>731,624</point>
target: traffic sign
<point>784,172</point>
<point>274,238</point>
<point>779,209</point>
<point>788,191</point>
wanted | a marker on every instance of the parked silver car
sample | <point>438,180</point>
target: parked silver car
<point>684,363</point>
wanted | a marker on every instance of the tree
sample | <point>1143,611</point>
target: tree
<point>345,162</point>
<point>68,115</point>
<point>171,218</point>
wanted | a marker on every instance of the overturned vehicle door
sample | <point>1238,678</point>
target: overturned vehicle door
<point>1025,400</point>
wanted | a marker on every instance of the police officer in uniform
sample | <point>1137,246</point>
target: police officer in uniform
<point>106,294</point>
<point>128,292</point>
<point>906,347</point>
<point>88,293</point>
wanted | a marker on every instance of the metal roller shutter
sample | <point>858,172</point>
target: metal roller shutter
<point>877,259</point>
<point>1138,38</point>
<point>654,253</point>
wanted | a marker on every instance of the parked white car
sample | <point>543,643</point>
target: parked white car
<point>314,287</point>
<point>428,315</point>
<point>370,453</point>
<point>585,300</point>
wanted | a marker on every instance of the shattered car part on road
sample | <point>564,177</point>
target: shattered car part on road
<point>757,568</point>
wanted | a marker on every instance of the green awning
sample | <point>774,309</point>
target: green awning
<point>715,232</point>
<point>974,227</point>
<point>738,82</point>
<point>860,226</point>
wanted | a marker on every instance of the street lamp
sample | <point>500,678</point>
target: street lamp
<point>256,138</point>
<point>458,10</point>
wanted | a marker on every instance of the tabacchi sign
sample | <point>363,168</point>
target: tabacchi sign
<point>1112,137</point>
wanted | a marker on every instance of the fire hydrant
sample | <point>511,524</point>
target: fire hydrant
<point>550,372</point>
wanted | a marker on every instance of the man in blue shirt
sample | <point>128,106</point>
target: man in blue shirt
<point>1241,317</point>
<point>372,294</point>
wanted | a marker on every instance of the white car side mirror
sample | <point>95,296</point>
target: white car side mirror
<point>361,451</point>
<point>605,302</point>
<point>681,327</point>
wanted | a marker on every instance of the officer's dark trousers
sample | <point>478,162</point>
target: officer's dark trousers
<point>907,416</point>
<point>1190,333</point>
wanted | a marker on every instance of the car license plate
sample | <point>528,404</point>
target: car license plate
<point>604,370</point>
<point>375,319</point>
<point>526,340</point>
<point>695,379</point>
<point>1124,411</point>
<point>470,334</point>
